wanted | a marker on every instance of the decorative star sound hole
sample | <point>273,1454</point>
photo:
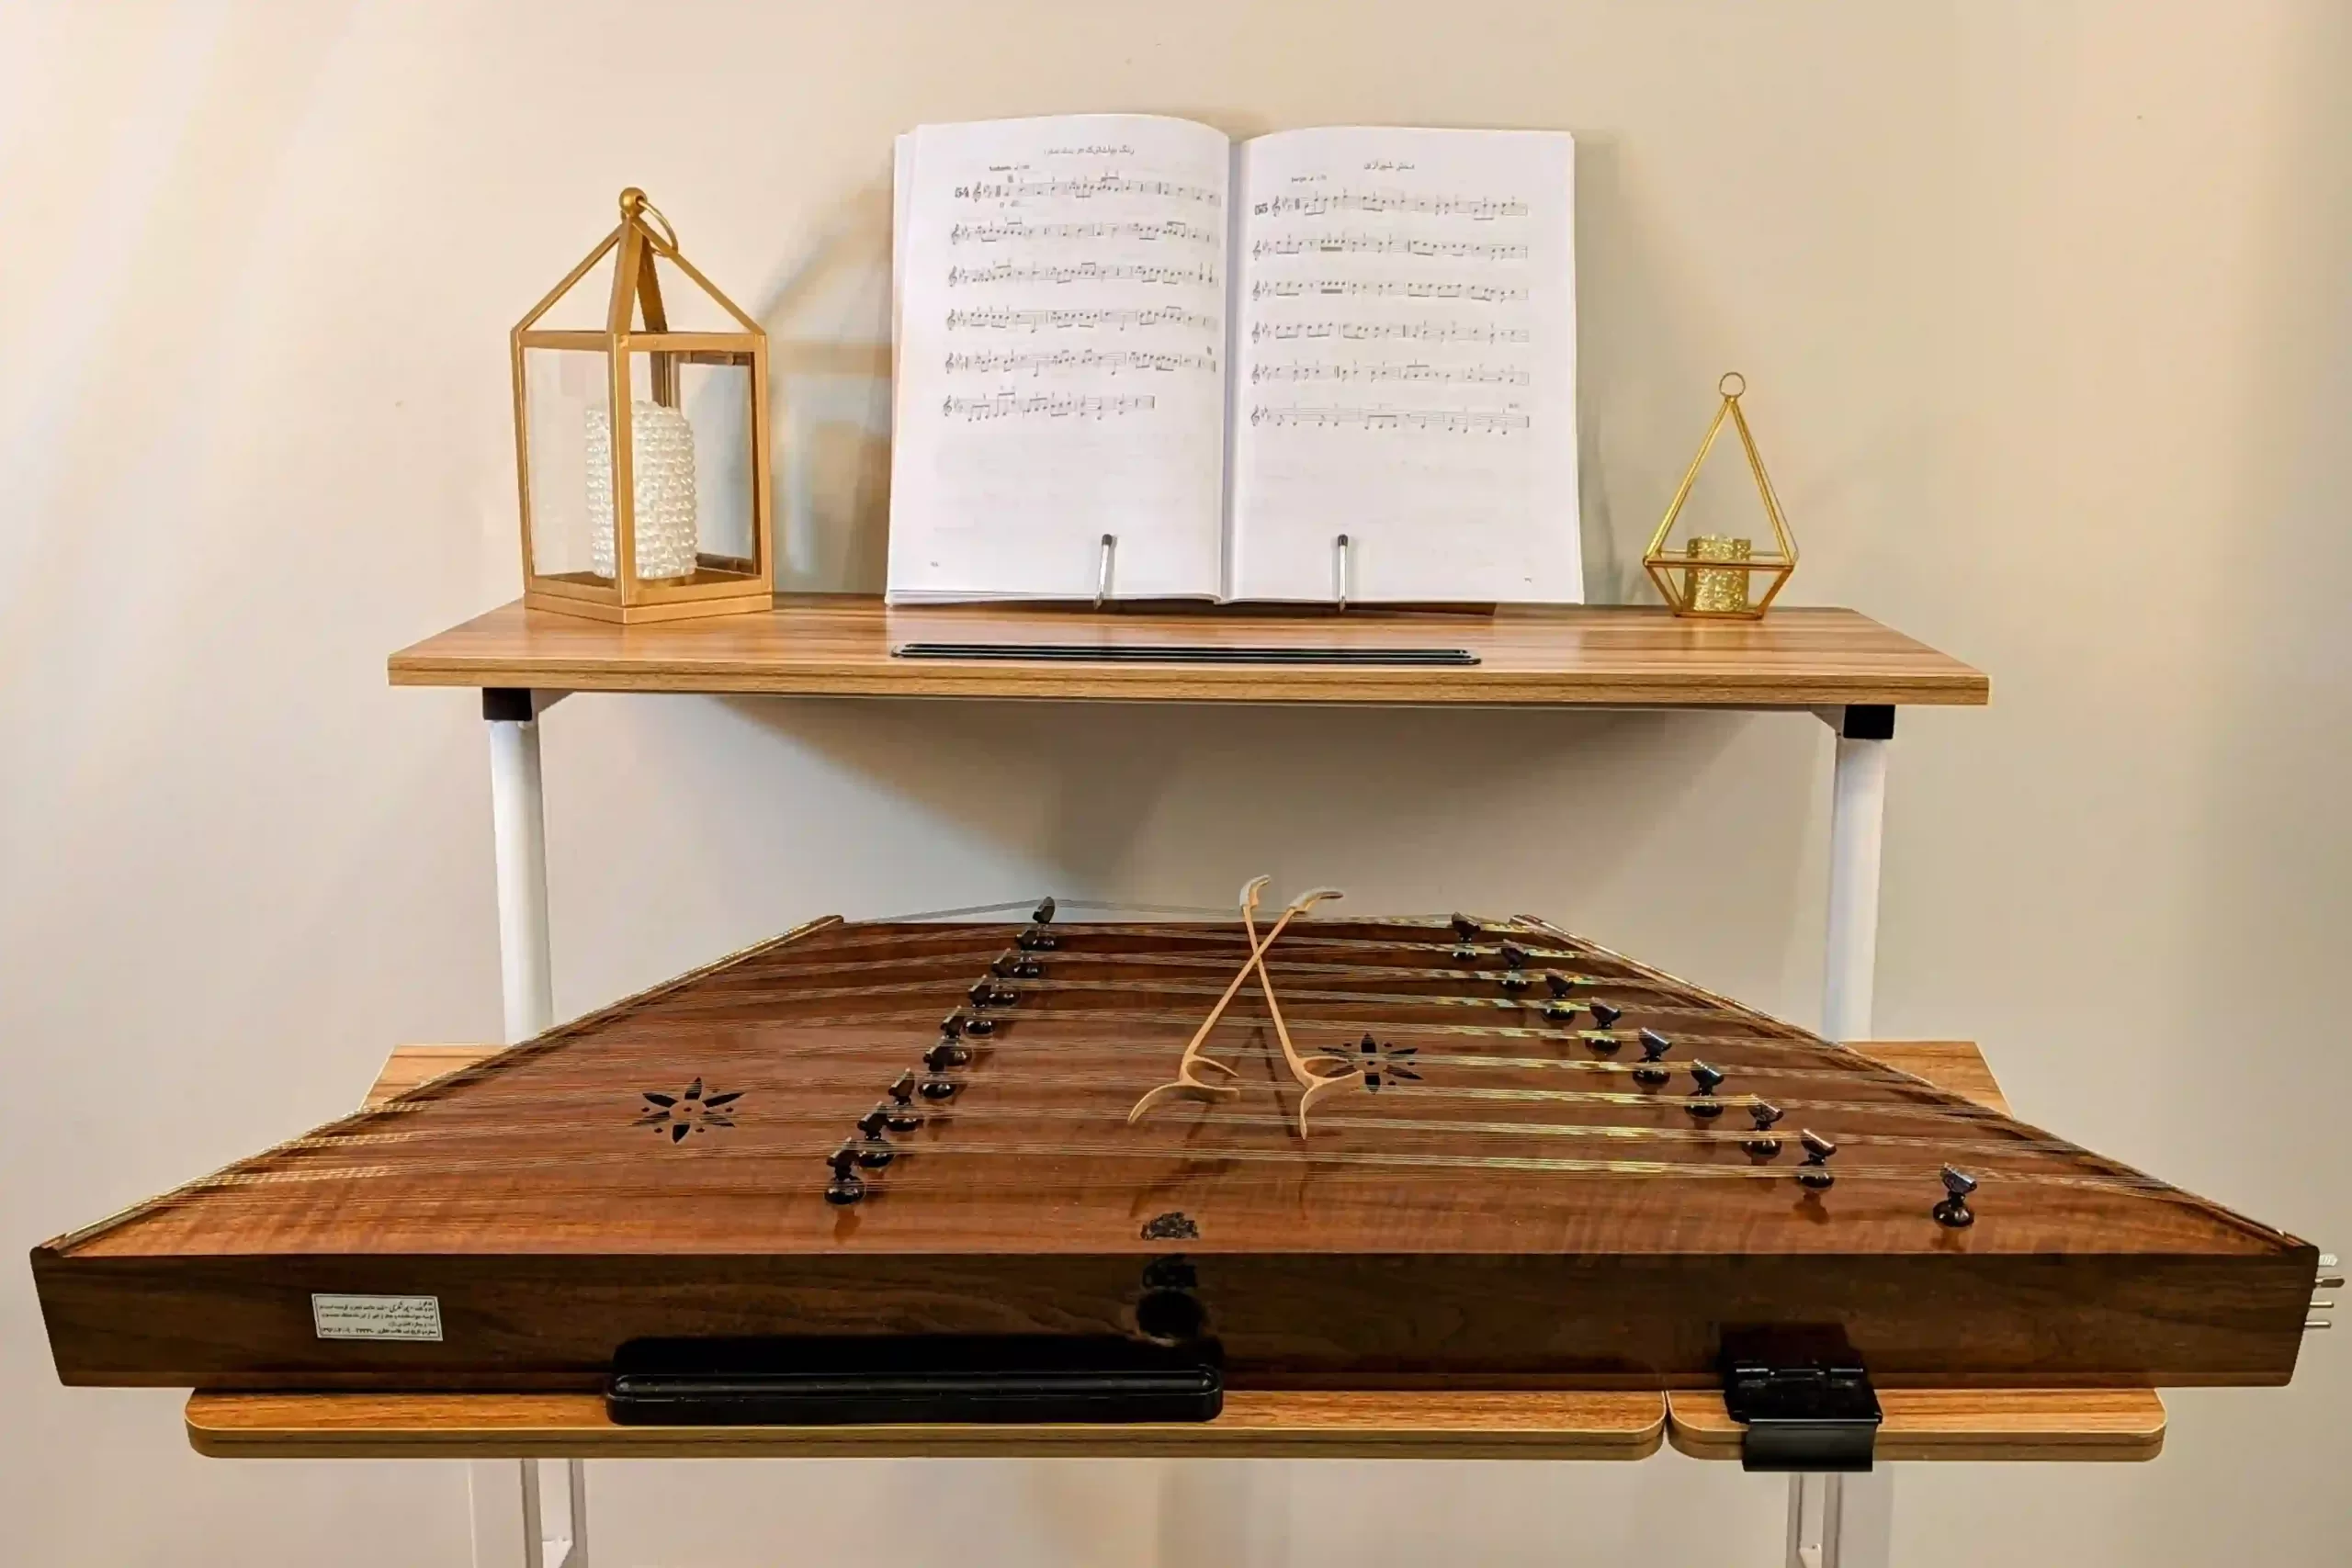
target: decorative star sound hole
<point>691,1110</point>
<point>1380,1060</point>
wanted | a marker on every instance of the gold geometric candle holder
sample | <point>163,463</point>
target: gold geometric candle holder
<point>1722,587</point>
<point>641,438</point>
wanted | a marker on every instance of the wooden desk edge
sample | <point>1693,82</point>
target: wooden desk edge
<point>837,646</point>
<point>2123,1425</point>
<point>1256,1424</point>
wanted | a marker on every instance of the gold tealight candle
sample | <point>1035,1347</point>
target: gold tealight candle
<point>1718,593</point>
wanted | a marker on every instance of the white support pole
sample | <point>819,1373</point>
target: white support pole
<point>570,1548</point>
<point>518,822</point>
<point>509,1525</point>
<point>1841,1521</point>
<point>1857,819</point>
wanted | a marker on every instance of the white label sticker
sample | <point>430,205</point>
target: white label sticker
<point>376,1317</point>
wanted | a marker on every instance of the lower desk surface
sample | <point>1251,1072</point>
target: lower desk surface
<point>1921,1424</point>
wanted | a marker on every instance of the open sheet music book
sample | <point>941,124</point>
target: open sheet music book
<point>1226,355</point>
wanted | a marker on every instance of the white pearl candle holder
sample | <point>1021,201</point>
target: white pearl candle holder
<point>661,462</point>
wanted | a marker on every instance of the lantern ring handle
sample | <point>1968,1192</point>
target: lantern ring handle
<point>1732,384</point>
<point>636,208</point>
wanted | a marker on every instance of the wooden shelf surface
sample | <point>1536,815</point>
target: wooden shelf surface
<point>839,645</point>
<point>1921,1424</point>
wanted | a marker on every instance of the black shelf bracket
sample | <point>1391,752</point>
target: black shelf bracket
<point>1860,721</point>
<point>1805,1398</point>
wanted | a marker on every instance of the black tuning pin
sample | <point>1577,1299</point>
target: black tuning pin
<point>937,1088</point>
<point>1814,1175</point>
<point>1954,1211</point>
<point>985,995</point>
<point>1654,1049</point>
<point>1560,1009</point>
<point>845,1188</point>
<point>1016,967</point>
<point>1605,1015</point>
<point>1702,1104</point>
<point>900,1114</point>
<point>956,1025</point>
<point>945,1054</point>
<point>1515,967</point>
<point>875,1151</point>
<point>1465,931</point>
<point>1765,1114</point>
<point>1037,939</point>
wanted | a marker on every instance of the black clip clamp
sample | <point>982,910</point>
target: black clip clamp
<point>1804,1397</point>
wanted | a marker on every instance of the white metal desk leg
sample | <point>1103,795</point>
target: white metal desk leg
<point>568,1548</point>
<point>510,1524</point>
<point>1841,1521</point>
<point>1857,819</point>
<point>518,822</point>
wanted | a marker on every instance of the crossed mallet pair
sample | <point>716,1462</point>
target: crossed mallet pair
<point>1319,1076</point>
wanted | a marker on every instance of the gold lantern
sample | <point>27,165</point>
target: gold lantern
<point>661,513</point>
<point>1722,587</point>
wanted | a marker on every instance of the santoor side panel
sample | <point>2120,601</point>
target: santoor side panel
<point>1612,1322</point>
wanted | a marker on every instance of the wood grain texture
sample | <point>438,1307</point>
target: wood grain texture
<point>2043,1425</point>
<point>1954,1065</point>
<point>412,1067</point>
<point>1256,1423</point>
<point>1520,1208</point>
<point>2125,1424</point>
<point>839,645</point>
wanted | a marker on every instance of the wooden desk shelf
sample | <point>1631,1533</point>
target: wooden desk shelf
<point>839,645</point>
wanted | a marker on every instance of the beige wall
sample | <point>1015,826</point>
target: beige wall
<point>2013,284</point>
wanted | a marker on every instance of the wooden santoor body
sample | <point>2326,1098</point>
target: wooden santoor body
<point>1521,1213</point>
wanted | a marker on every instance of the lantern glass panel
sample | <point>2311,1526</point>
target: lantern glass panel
<point>567,395</point>
<point>693,422</point>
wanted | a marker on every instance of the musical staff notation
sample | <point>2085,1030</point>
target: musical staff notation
<point>1387,245</point>
<point>1177,232</point>
<point>1362,288</point>
<point>1375,331</point>
<point>1456,422</point>
<point>1113,361</point>
<point>1082,272</point>
<point>1084,188</point>
<point>1045,405</point>
<point>1481,207</point>
<point>1083,321</point>
<point>1351,370</point>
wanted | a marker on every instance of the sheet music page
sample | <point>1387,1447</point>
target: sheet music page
<point>1062,358</point>
<point>1405,366</point>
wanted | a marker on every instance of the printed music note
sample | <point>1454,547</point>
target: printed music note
<point>1006,405</point>
<point>1079,320</point>
<point>1391,288</point>
<point>1452,422</point>
<point>1113,360</point>
<point>1079,272</point>
<point>1012,234</point>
